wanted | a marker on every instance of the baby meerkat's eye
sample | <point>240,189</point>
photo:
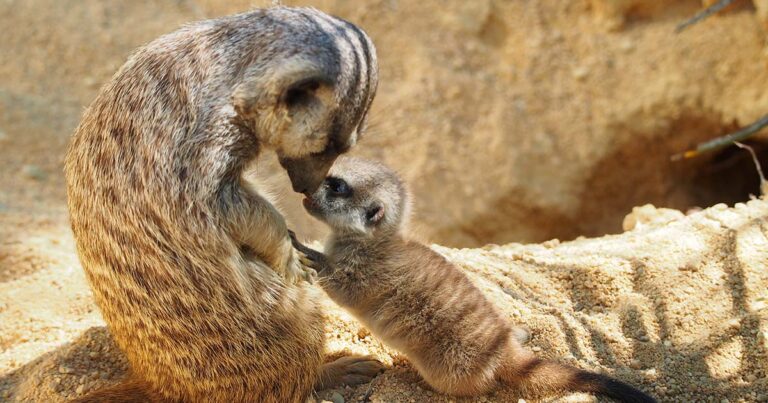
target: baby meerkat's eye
<point>338,187</point>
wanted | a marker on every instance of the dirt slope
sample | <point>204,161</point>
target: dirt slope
<point>512,120</point>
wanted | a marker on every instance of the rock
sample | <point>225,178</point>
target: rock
<point>649,215</point>
<point>362,333</point>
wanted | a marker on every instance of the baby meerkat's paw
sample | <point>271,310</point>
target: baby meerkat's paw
<point>298,270</point>
<point>522,334</point>
<point>292,267</point>
<point>310,258</point>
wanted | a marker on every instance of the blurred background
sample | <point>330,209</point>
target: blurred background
<point>511,120</point>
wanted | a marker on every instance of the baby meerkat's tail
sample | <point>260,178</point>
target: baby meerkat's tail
<point>129,391</point>
<point>538,376</point>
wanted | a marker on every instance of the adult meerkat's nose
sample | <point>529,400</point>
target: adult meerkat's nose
<point>308,173</point>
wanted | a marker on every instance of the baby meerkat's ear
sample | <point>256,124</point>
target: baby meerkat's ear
<point>374,214</point>
<point>292,83</point>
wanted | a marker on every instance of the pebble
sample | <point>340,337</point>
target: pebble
<point>521,401</point>
<point>65,370</point>
<point>580,73</point>
<point>644,338</point>
<point>336,397</point>
<point>635,364</point>
<point>33,172</point>
<point>751,377</point>
<point>667,343</point>
<point>627,45</point>
<point>536,349</point>
<point>80,389</point>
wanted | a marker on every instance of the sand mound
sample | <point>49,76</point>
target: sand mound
<point>678,305</point>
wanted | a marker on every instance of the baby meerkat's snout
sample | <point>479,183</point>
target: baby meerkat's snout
<point>359,196</point>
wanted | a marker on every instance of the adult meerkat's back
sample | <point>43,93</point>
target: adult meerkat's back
<point>193,270</point>
<point>419,303</point>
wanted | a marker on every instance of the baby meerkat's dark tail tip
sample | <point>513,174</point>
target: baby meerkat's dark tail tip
<point>128,391</point>
<point>537,376</point>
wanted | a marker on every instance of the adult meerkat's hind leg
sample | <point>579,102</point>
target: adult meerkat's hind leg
<point>128,391</point>
<point>348,370</point>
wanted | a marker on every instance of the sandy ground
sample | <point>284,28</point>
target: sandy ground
<point>677,306</point>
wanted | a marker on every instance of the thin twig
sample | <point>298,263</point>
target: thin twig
<point>763,182</point>
<point>724,141</point>
<point>369,392</point>
<point>713,9</point>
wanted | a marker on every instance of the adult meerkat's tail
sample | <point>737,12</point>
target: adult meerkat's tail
<point>538,376</point>
<point>128,391</point>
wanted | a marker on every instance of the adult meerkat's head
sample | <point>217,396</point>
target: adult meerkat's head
<point>308,97</point>
<point>362,197</point>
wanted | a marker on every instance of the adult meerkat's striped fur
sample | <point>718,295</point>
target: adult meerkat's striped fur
<point>193,270</point>
<point>419,303</point>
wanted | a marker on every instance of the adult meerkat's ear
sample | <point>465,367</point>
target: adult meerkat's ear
<point>293,83</point>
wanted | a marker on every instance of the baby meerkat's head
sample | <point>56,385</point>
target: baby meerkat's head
<point>360,196</point>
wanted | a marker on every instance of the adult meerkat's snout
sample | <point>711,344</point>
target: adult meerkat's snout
<point>308,108</point>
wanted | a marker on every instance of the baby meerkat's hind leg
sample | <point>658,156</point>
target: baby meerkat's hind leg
<point>348,370</point>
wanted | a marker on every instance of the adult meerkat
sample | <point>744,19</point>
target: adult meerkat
<point>417,302</point>
<point>193,270</point>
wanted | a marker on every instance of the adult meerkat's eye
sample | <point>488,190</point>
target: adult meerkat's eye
<point>338,187</point>
<point>301,94</point>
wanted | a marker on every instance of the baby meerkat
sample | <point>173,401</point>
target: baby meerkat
<point>416,301</point>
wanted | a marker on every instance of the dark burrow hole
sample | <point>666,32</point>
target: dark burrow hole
<point>728,176</point>
<point>637,170</point>
<point>642,172</point>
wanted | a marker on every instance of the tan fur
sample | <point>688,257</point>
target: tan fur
<point>193,270</point>
<point>416,301</point>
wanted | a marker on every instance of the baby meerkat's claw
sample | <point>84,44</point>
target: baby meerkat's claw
<point>310,258</point>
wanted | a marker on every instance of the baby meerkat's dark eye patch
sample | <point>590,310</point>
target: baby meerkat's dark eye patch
<point>374,214</point>
<point>338,187</point>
